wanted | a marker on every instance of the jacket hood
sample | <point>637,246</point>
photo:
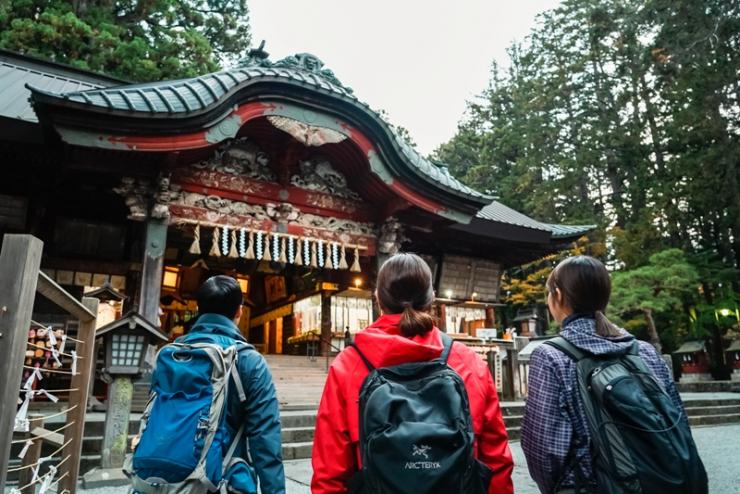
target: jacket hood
<point>215,324</point>
<point>383,344</point>
<point>581,332</point>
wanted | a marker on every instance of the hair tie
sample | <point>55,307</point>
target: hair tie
<point>407,305</point>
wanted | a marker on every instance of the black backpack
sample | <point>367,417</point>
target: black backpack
<point>640,441</point>
<point>416,434</point>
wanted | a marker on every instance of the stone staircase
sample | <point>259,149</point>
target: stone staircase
<point>299,383</point>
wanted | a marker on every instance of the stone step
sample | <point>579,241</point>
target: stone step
<point>698,403</point>
<point>713,410</point>
<point>297,451</point>
<point>297,434</point>
<point>714,419</point>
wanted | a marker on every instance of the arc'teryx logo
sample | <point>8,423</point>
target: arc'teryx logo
<point>421,450</point>
<point>421,465</point>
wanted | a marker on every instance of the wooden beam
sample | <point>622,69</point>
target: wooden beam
<point>46,435</point>
<point>49,289</point>
<point>20,260</point>
<point>80,383</point>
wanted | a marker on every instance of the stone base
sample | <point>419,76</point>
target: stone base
<point>735,375</point>
<point>104,477</point>
<point>694,377</point>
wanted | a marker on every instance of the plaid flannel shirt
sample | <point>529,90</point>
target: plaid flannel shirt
<point>554,426</point>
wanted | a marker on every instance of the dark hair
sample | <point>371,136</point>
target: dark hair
<point>585,286</point>
<point>219,295</point>
<point>405,287</point>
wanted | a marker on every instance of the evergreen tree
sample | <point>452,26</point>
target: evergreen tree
<point>137,40</point>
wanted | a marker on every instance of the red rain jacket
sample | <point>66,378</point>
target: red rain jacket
<point>336,454</point>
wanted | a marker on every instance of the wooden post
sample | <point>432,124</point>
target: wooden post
<point>151,272</point>
<point>32,456</point>
<point>80,382</point>
<point>443,317</point>
<point>512,367</point>
<point>326,332</point>
<point>20,261</point>
<point>490,317</point>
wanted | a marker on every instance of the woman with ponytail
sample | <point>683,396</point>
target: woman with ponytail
<point>405,332</point>
<point>555,434</point>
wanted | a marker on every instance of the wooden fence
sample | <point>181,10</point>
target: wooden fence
<point>20,262</point>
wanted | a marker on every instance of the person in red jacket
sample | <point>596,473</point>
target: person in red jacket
<point>404,333</point>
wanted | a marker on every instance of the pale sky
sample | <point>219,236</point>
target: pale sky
<point>420,60</point>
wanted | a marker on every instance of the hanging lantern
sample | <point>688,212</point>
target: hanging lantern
<point>249,254</point>
<point>343,258</point>
<point>233,252</point>
<point>356,264</point>
<point>215,252</point>
<point>195,246</point>
<point>298,259</point>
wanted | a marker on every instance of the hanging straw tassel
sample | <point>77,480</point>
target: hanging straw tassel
<point>250,250</point>
<point>298,259</point>
<point>233,251</point>
<point>343,258</point>
<point>328,264</point>
<point>314,262</point>
<point>268,251</point>
<point>356,264</point>
<point>283,252</point>
<point>215,251</point>
<point>195,246</point>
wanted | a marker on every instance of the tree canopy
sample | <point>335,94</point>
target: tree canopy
<point>625,114</point>
<point>137,40</point>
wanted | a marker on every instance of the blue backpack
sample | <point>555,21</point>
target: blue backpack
<point>185,445</point>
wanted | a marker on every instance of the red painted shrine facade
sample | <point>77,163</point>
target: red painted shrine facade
<point>273,172</point>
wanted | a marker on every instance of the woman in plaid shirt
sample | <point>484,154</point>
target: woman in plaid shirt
<point>555,436</point>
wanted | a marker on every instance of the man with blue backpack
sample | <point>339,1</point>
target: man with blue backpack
<point>212,422</point>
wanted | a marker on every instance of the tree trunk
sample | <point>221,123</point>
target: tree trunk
<point>654,338</point>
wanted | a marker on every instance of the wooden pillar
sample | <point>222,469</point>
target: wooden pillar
<point>490,317</point>
<point>155,242</point>
<point>20,261</point>
<point>326,323</point>
<point>443,317</point>
<point>80,382</point>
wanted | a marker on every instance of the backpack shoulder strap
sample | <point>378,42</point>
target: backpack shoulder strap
<point>240,347</point>
<point>565,346</point>
<point>369,366</point>
<point>446,347</point>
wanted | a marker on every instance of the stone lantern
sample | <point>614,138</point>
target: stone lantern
<point>127,342</point>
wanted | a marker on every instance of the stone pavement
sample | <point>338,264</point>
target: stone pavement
<point>717,445</point>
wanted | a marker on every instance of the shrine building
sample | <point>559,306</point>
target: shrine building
<point>273,172</point>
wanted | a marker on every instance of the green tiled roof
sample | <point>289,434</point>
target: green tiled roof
<point>560,231</point>
<point>501,213</point>
<point>200,94</point>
